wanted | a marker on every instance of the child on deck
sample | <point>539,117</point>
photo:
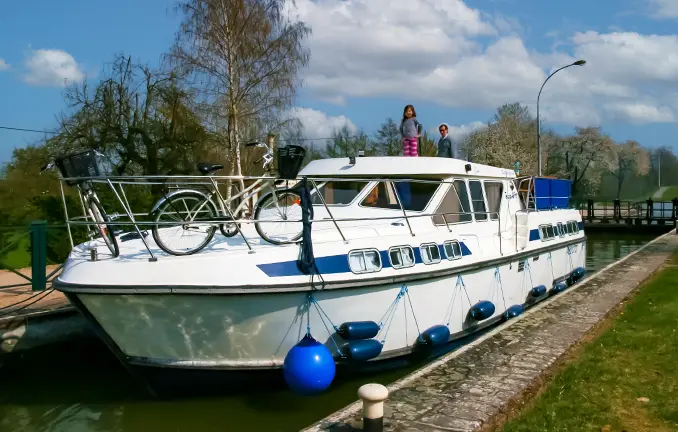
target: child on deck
<point>410,130</point>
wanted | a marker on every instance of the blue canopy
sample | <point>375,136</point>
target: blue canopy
<point>552,193</point>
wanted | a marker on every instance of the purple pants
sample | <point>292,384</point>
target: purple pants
<point>410,146</point>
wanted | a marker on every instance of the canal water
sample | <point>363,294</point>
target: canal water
<point>80,387</point>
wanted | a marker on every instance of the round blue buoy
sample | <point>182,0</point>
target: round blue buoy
<point>309,367</point>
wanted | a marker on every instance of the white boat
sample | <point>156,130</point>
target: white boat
<point>454,248</point>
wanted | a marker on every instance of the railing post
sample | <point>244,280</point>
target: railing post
<point>589,210</point>
<point>39,255</point>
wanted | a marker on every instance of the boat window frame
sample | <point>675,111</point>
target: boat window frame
<point>400,205</point>
<point>363,250</point>
<point>451,183</point>
<point>561,229</point>
<point>501,199</point>
<point>432,245</point>
<point>543,232</point>
<point>400,248</point>
<point>348,180</point>
<point>461,253</point>
<point>470,199</point>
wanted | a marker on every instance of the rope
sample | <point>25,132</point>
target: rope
<point>450,307</point>
<point>569,256</point>
<point>553,276</point>
<point>497,277</point>
<point>312,301</point>
<point>390,314</point>
<point>409,299</point>
<point>7,310</point>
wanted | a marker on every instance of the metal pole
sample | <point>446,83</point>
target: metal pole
<point>577,63</point>
<point>659,162</point>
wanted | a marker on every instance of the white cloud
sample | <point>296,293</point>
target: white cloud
<point>317,124</point>
<point>641,113</point>
<point>436,51</point>
<point>4,65</point>
<point>51,67</point>
<point>664,9</point>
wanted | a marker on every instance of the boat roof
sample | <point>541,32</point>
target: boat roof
<point>400,166</point>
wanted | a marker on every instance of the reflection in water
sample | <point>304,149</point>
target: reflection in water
<point>81,387</point>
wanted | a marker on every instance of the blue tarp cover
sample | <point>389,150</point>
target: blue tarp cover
<point>552,193</point>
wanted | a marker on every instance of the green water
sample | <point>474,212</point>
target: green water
<point>81,387</point>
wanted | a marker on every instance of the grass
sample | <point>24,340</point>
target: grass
<point>626,379</point>
<point>670,193</point>
<point>18,258</point>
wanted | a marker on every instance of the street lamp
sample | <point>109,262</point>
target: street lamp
<point>577,63</point>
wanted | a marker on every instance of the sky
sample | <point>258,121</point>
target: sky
<point>456,61</point>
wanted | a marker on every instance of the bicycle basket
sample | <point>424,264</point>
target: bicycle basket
<point>78,164</point>
<point>290,159</point>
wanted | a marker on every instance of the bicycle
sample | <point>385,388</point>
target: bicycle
<point>195,212</point>
<point>84,164</point>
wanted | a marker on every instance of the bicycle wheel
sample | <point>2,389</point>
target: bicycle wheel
<point>278,207</point>
<point>229,229</point>
<point>99,215</point>
<point>180,231</point>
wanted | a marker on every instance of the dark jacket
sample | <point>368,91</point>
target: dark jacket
<point>448,149</point>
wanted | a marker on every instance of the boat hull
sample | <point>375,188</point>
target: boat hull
<point>238,338</point>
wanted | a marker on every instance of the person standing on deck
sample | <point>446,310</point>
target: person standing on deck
<point>410,130</point>
<point>447,148</point>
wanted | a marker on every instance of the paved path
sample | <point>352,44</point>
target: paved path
<point>466,388</point>
<point>657,195</point>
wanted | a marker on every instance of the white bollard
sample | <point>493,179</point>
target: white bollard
<point>373,397</point>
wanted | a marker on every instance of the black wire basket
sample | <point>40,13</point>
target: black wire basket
<point>290,159</point>
<point>78,164</point>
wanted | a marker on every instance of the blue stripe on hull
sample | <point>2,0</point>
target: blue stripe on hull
<point>334,264</point>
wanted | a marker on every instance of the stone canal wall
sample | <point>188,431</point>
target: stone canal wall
<point>468,387</point>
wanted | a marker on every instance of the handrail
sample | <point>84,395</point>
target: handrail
<point>129,218</point>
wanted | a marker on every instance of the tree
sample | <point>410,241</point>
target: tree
<point>248,53</point>
<point>629,158</point>
<point>509,137</point>
<point>582,157</point>
<point>138,117</point>
<point>345,144</point>
<point>427,145</point>
<point>389,141</point>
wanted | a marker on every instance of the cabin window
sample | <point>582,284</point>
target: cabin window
<point>338,192</point>
<point>575,227</point>
<point>494,192</point>
<point>454,208</point>
<point>546,232</point>
<point>401,257</point>
<point>364,261</point>
<point>430,253</point>
<point>415,196</point>
<point>452,250</point>
<point>478,200</point>
<point>561,230</point>
<point>570,228</point>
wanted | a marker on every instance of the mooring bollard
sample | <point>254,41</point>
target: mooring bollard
<point>373,397</point>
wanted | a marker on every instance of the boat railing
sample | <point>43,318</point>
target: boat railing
<point>115,191</point>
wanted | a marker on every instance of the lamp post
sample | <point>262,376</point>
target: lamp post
<point>577,63</point>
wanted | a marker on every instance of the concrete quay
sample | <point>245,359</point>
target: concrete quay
<point>469,388</point>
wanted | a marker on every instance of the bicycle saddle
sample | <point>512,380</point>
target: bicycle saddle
<point>208,168</point>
